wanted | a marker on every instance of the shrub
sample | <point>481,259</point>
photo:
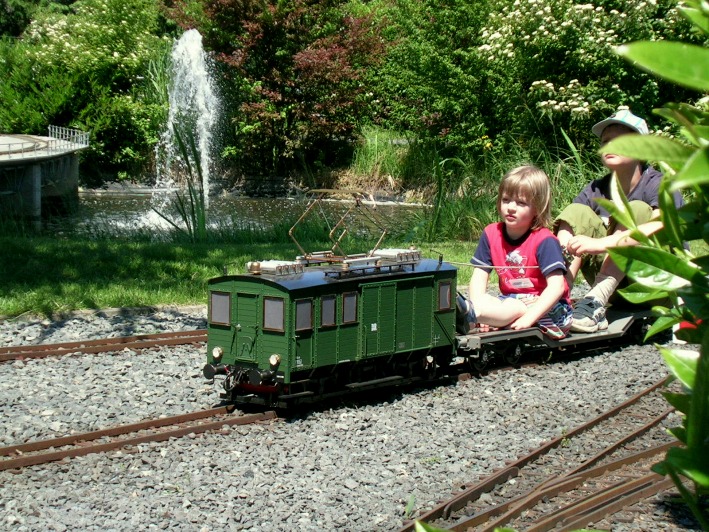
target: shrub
<point>85,68</point>
<point>296,76</point>
<point>660,265</point>
<point>466,74</point>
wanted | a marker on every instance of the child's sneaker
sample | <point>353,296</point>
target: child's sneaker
<point>589,315</point>
<point>464,316</point>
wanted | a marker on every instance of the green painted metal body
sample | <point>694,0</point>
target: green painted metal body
<point>377,313</point>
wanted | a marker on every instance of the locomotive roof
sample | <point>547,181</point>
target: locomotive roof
<point>320,275</point>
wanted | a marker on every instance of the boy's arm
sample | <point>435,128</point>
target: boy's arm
<point>547,299</point>
<point>478,283</point>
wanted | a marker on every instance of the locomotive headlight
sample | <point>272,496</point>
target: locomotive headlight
<point>274,360</point>
<point>217,353</point>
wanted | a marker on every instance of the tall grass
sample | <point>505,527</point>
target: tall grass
<point>190,203</point>
<point>464,190</point>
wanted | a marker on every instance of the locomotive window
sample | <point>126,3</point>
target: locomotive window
<point>219,308</point>
<point>273,311</point>
<point>303,314</point>
<point>349,307</point>
<point>327,315</point>
<point>444,296</point>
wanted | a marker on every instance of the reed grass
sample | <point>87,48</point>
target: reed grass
<point>190,203</point>
<point>463,191</point>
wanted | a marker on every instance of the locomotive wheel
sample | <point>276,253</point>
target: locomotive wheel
<point>513,354</point>
<point>429,367</point>
<point>482,360</point>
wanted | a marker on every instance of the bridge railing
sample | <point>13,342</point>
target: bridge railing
<point>60,139</point>
<point>18,149</point>
<point>64,138</point>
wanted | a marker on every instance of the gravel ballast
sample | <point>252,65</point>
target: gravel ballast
<point>355,466</point>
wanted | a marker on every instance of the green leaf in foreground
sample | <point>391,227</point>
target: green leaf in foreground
<point>681,63</point>
<point>657,269</point>
<point>648,148</point>
<point>682,364</point>
<point>695,172</point>
<point>639,294</point>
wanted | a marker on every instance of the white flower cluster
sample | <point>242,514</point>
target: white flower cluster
<point>581,34</point>
<point>573,101</point>
<point>100,32</point>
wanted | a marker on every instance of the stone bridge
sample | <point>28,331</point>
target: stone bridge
<point>39,172</point>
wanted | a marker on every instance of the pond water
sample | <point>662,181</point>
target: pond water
<point>125,213</point>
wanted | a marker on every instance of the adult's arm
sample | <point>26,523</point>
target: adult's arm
<point>581,245</point>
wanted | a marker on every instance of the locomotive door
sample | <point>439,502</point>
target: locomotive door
<point>303,333</point>
<point>245,336</point>
<point>378,318</point>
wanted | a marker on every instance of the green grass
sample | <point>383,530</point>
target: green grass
<point>47,276</point>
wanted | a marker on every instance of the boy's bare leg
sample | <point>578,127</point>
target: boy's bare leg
<point>495,312</point>
<point>564,234</point>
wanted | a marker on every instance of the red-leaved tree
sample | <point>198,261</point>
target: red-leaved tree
<point>295,72</point>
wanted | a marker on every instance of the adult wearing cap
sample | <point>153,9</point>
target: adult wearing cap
<point>586,230</point>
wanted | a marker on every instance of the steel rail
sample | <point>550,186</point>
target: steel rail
<point>511,509</point>
<point>643,488</point>
<point>79,439</point>
<point>602,503</point>
<point>472,493</point>
<point>141,341</point>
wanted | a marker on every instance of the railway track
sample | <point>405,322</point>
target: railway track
<point>154,430</point>
<point>572,481</point>
<point>104,345</point>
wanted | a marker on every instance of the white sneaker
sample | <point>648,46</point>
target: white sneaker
<point>589,315</point>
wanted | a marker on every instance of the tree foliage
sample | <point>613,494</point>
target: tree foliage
<point>84,65</point>
<point>431,82</point>
<point>302,78</point>
<point>296,74</point>
<point>16,15</point>
<point>475,75</point>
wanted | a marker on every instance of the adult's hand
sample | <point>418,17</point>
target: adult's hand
<point>585,245</point>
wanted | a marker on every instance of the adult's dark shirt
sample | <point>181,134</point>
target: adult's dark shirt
<point>646,190</point>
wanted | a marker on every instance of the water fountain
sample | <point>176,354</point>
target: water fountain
<point>193,111</point>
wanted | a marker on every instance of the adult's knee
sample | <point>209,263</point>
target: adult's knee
<point>581,219</point>
<point>642,212</point>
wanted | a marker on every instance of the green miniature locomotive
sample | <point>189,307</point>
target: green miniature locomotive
<point>289,332</point>
<point>330,323</point>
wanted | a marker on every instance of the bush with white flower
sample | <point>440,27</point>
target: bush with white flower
<point>554,59</point>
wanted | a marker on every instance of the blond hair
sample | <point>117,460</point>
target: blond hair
<point>531,184</point>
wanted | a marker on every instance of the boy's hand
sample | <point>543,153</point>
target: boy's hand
<point>523,322</point>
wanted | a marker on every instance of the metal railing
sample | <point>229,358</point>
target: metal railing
<point>60,139</point>
<point>64,137</point>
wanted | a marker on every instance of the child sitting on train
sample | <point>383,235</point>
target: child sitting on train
<point>528,260</point>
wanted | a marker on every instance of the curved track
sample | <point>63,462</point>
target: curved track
<point>515,495</point>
